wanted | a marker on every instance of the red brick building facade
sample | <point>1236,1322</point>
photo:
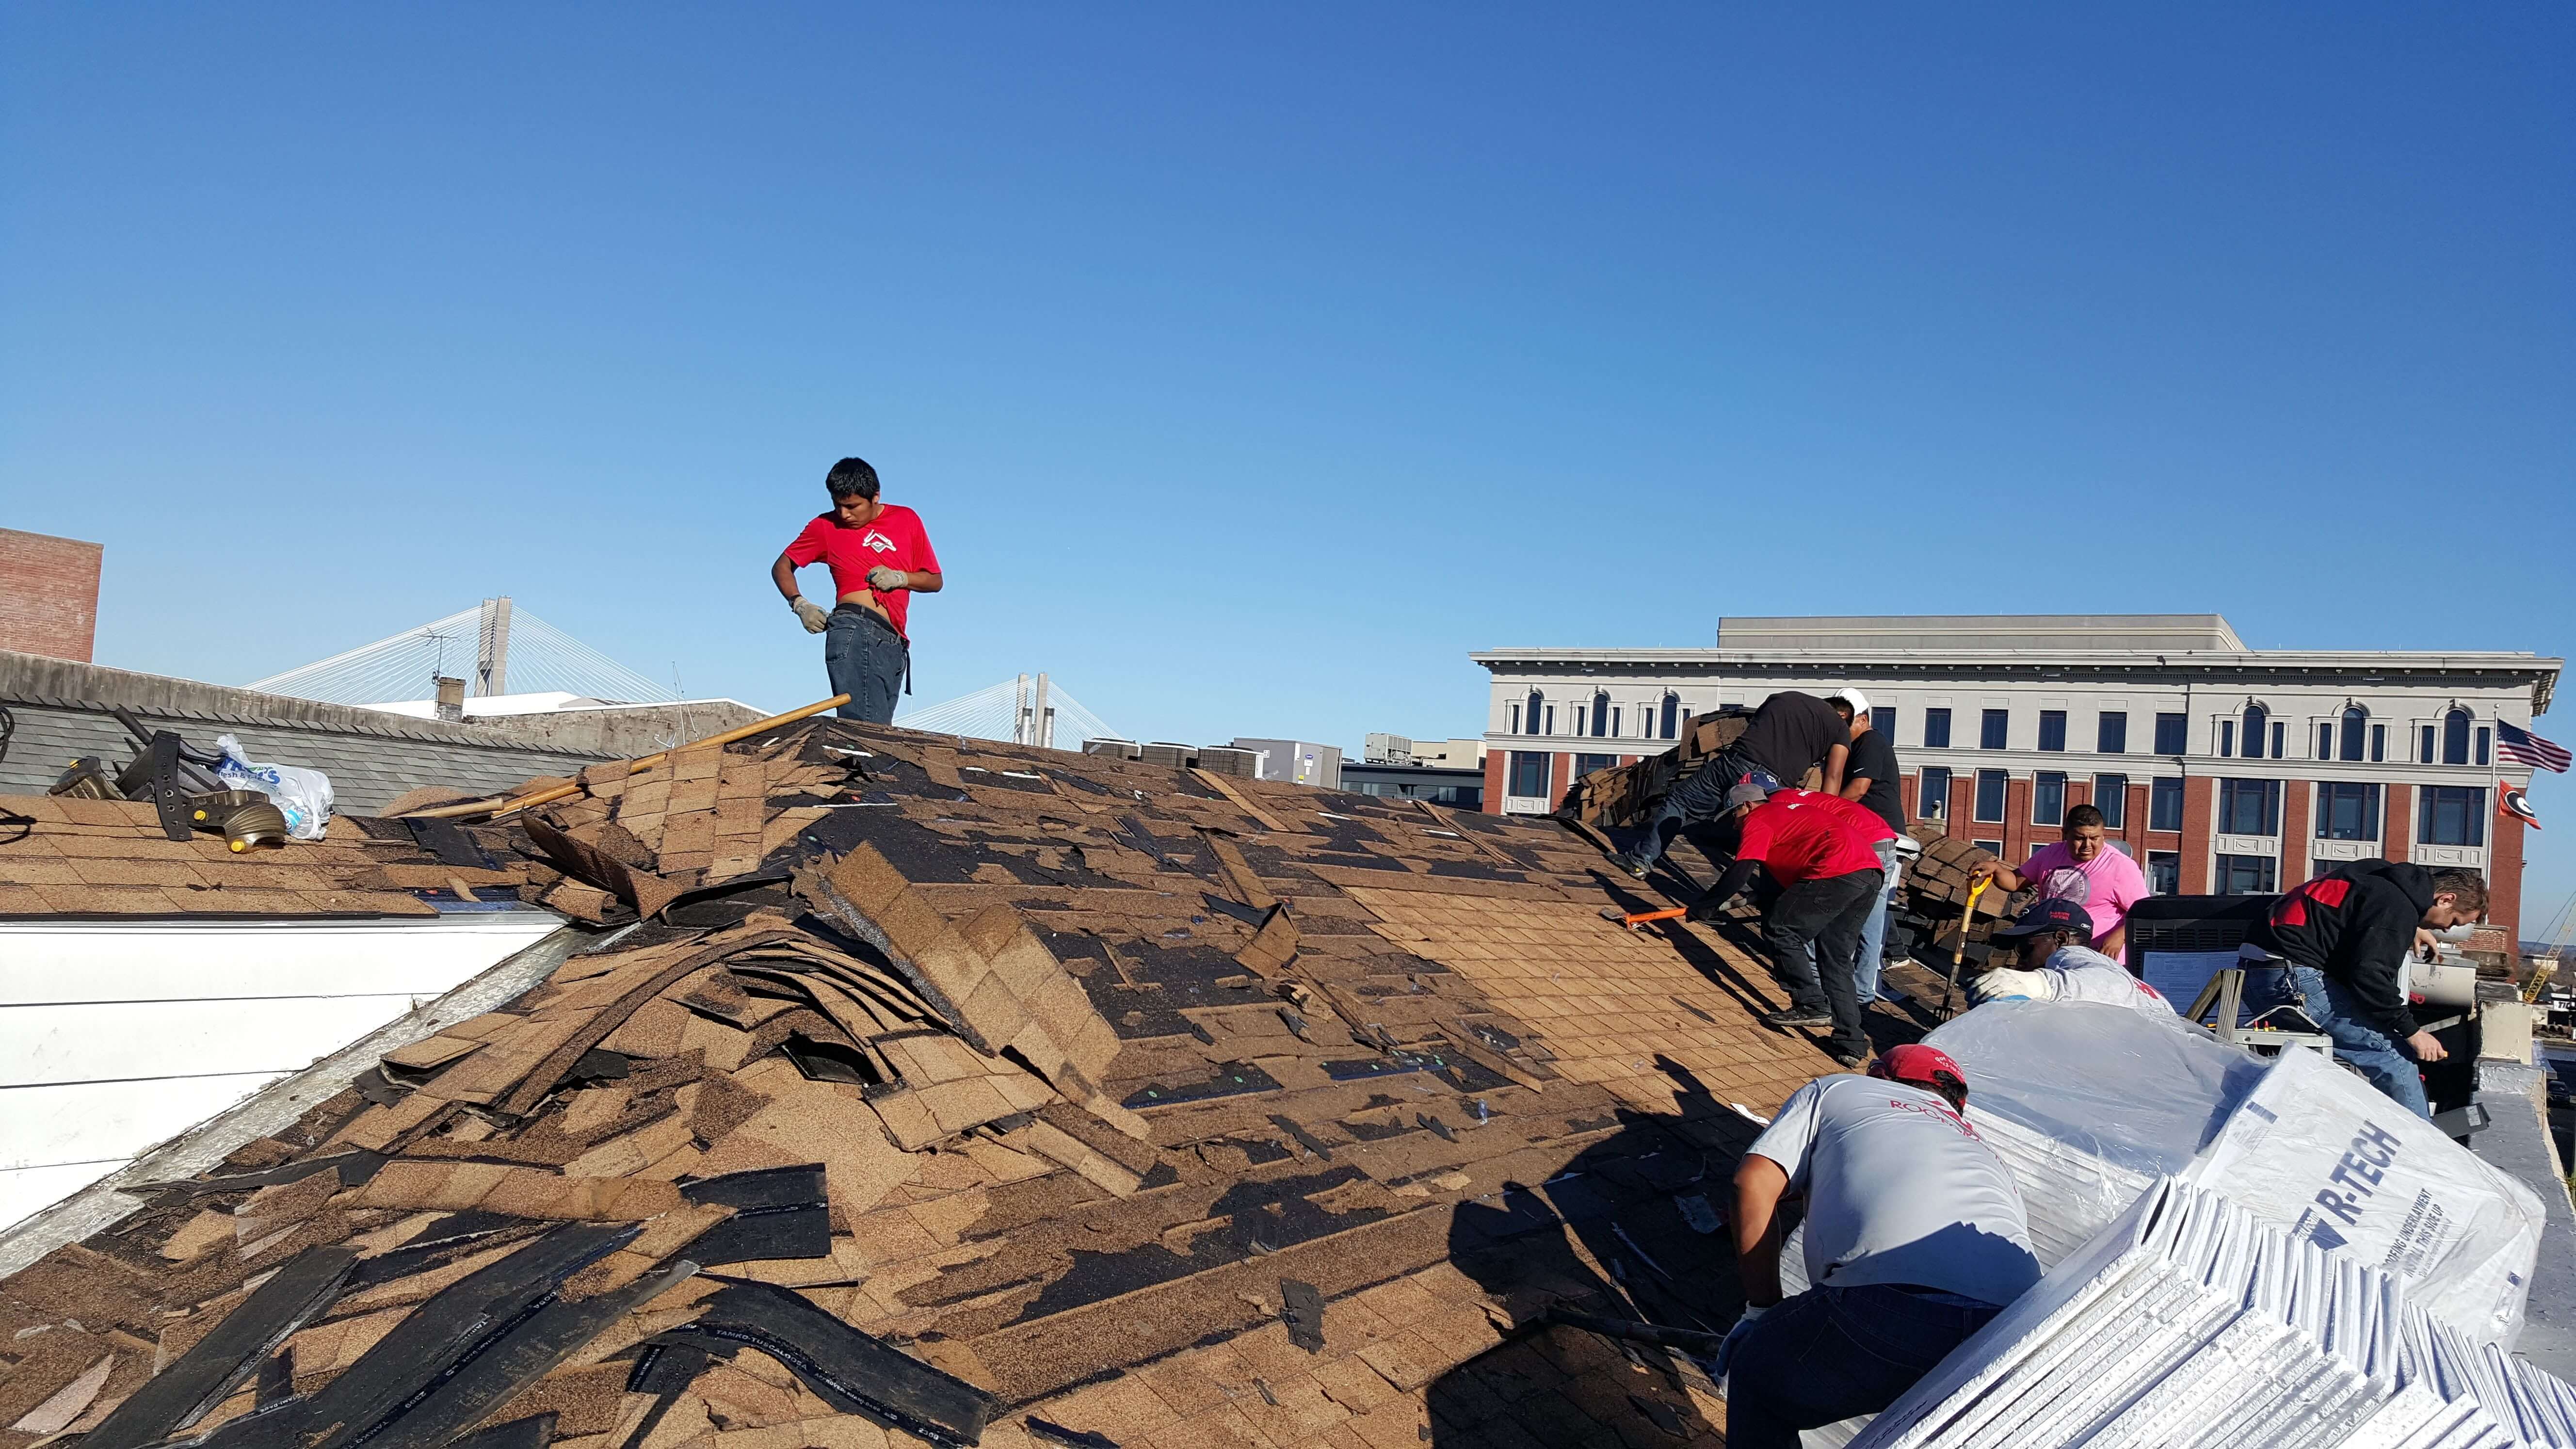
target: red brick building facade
<point>2235,770</point>
<point>48,594</point>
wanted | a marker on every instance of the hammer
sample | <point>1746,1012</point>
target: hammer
<point>1636,920</point>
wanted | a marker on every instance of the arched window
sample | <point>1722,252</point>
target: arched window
<point>1672,715</point>
<point>2455,737</point>
<point>1530,715</point>
<point>2356,721</point>
<point>1600,712</point>
<point>2257,723</point>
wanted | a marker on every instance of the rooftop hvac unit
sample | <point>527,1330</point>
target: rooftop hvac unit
<point>1169,755</point>
<point>1227,760</point>
<point>1109,745</point>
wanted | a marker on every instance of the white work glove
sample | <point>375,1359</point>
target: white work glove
<point>1734,1336</point>
<point>884,579</point>
<point>2006,984</point>
<point>816,621</point>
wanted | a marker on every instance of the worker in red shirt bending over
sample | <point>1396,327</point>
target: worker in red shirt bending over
<point>1824,853</point>
<point>880,558</point>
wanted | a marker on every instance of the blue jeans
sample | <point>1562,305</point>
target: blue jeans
<point>1873,941</point>
<point>2331,1005</point>
<point>866,659</point>
<point>1832,1353</point>
<point>1701,797</point>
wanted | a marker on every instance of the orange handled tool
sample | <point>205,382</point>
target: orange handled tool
<point>1636,920</point>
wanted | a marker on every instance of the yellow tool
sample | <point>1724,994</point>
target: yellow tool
<point>1959,954</point>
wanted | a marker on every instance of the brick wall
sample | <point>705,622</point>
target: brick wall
<point>48,595</point>
<point>2199,815</point>
<point>2298,825</point>
<point>2398,835</point>
<point>2504,878</point>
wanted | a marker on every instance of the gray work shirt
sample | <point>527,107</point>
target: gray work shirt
<point>1900,1189</point>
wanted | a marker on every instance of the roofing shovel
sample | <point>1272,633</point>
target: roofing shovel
<point>1959,955</point>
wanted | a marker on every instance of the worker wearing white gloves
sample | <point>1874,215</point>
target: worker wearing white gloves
<point>1915,1238</point>
<point>2052,963</point>
<point>880,557</point>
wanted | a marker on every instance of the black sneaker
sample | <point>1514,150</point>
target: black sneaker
<point>1798,1016</point>
<point>1850,1061</point>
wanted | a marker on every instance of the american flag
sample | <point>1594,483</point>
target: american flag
<point>2527,748</point>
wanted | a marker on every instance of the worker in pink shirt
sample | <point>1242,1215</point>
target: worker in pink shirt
<point>2085,869</point>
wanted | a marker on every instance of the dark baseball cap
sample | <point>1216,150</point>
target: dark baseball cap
<point>2050,914</point>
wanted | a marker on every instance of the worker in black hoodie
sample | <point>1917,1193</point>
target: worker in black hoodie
<point>2337,948</point>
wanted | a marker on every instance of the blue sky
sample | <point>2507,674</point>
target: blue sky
<point>1251,366</point>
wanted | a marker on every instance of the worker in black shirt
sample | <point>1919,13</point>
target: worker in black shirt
<point>1869,776</point>
<point>1789,733</point>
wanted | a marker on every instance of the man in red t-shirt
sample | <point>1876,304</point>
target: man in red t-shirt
<point>880,558</point>
<point>1824,853</point>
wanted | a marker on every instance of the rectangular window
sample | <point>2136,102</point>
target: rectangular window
<point>1990,795</point>
<point>2424,756</point>
<point>2164,872</point>
<point>2347,811</point>
<point>2048,798</point>
<point>1586,764</point>
<point>1992,728</point>
<point>2325,741</point>
<point>1936,729</point>
<point>2249,807</point>
<point>2378,744</point>
<point>2173,734</point>
<point>2111,797</point>
<point>2280,740</point>
<point>2164,805</point>
<point>2246,875</point>
<point>2227,737</point>
<point>1882,718</point>
<point>1551,721</point>
<point>2052,729</point>
<point>1672,715</point>
<point>1516,720</point>
<point>2486,737</point>
<point>1529,773</point>
<point>2111,737</point>
<point>1994,848</point>
<point>2451,815</point>
<point>1932,794</point>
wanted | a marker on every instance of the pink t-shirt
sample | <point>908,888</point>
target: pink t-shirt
<point>2112,885</point>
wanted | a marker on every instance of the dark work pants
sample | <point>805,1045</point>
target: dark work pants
<point>1831,1354</point>
<point>1701,797</point>
<point>866,659</point>
<point>1814,934</point>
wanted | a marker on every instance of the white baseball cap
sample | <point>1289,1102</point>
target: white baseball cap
<point>1853,697</point>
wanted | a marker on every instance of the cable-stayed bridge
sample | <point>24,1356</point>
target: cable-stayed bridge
<point>495,648</point>
<point>1027,710</point>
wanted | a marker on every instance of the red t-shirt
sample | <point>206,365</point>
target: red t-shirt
<point>894,539</point>
<point>1804,835</point>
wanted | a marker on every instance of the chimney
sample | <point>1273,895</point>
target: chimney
<point>451,699</point>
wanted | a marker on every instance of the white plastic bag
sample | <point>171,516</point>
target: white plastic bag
<point>302,796</point>
<point>2320,1152</point>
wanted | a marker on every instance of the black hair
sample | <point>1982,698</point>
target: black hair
<point>852,478</point>
<point>2082,815</point>
<point>1952,1090</point>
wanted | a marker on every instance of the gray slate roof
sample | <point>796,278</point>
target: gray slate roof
<point>367,770</point>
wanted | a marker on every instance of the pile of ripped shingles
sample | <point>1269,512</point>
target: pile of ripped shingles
<point>930,1098</point>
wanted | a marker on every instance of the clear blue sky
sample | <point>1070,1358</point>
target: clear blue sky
<point>1252,365</point>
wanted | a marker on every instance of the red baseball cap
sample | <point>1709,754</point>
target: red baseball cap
<point>1924,1066</point>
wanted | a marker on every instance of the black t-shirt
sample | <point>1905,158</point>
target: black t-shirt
<point>1790,732</point>
<point>1873,756</point>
